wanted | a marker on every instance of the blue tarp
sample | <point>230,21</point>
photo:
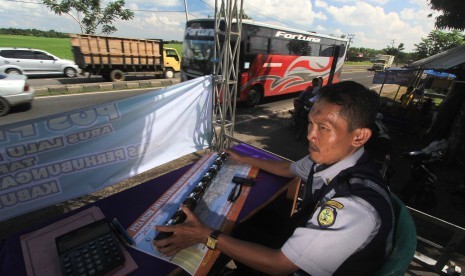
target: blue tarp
<point>441,75</point>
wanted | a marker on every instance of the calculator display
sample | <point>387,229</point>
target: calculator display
<point>70,241</point>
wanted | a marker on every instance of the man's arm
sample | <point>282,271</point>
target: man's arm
<point>278,167</point>
<point>192,231</point>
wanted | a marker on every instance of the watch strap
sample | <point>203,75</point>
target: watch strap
<point>215,233</point>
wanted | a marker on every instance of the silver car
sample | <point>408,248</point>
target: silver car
<point>35,62</point>
<point>14,90</point>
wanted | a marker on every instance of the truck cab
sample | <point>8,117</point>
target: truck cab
<point>171,62</point>
<point>379,65</point>
<point>382,62</point>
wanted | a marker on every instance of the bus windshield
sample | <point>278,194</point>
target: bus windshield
<point>271,60</point>
<point>198,45</point>
<point>198,49</point>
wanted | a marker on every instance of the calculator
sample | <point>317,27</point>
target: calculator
<point>89,250</point>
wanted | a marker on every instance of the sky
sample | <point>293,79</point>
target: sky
<point>374,24</point>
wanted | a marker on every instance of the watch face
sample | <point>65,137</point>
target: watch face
<point>211,243</point>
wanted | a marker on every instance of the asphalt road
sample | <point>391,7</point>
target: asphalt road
<point>44,106</point>
<point>59,80</point>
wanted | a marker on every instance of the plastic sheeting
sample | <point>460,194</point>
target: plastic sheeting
<point>63,156</point>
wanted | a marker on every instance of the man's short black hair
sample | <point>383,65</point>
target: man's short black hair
<point>359,105</point>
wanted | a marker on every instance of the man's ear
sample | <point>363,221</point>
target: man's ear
<point>362,135</point>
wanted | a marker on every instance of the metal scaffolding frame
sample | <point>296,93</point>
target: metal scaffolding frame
<point>225,70</point>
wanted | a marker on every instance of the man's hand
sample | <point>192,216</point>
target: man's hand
<point>278,167</point>
<point>235,156</point>
<point>186,234</point>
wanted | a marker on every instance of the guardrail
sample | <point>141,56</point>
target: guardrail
<point>439,264</point>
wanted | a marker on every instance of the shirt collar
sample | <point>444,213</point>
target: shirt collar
<point>329,173</point>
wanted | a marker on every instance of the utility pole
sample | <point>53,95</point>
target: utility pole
<point>350,36</point>
<point>185,8</point>
<point>392,43</point>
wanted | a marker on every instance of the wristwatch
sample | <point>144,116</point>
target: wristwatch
<point>212,239</point>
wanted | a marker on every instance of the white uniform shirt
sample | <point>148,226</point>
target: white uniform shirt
<point>320,251</point>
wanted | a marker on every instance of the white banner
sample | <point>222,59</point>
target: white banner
<point>59,157</point>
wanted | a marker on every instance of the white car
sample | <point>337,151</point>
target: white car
<point>14,90</point>
<point>25,61</point>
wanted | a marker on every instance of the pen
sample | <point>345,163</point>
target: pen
<point>122,232</point>
<point>234,195</point>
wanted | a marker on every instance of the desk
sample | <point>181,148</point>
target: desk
<point>129,204</point>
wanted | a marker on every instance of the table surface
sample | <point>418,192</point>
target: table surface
<point>129,204</point>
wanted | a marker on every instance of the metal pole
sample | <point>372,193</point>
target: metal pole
<point>397,92</point>
<point>185,8</point>
<point>228,24</point>
<point>382,85</point>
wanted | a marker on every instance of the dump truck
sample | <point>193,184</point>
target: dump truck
<point>114,57</point>
<point>382,62</point>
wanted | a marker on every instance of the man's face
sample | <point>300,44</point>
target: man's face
<point>329,138</point>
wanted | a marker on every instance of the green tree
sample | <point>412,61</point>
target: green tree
<point>398,52</point>
<point>438,41</point>
<point>453,14</point>
<point>390,50</point>
<point>90,15</point>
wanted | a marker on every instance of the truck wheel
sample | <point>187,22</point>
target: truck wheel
<point>117,75</point>
<point>4,107</point>
<point>253,98</point>
<point>169,74</point>
<point>70,72</point>
<point>13,72</point>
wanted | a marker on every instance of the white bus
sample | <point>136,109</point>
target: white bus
<point>273,60</point>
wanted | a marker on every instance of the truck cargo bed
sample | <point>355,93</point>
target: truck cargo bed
<point>100,54</point>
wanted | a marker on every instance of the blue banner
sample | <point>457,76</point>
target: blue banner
<point>393,76</point>
<point>63,156</point>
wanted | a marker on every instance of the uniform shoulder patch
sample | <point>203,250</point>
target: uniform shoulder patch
<point>334,203</point>
<point>327,216</point>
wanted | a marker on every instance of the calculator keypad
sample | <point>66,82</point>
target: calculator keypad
<point>94,257</point>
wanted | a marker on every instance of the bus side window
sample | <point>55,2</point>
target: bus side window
<point>300,48</point>
<point>258,45</point>
<point>279,46</point>
<point>326,51</point>
<point>313,49</point>
<point>342,50</point>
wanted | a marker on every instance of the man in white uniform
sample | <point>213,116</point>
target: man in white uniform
<point>343,221</point>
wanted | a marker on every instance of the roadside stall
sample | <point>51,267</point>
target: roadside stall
<point>437,85</point>
<point>399,76</point>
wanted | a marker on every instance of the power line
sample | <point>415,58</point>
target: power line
<point>158,11</point>
<point>154,11</point>
<point>26,2</point>
<point>38,3</point>
<point>206,4</point>
<point>263,15</point>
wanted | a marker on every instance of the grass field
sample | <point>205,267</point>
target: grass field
<point>60,47</point>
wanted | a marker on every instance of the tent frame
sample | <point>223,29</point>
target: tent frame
<point>226,74</point>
